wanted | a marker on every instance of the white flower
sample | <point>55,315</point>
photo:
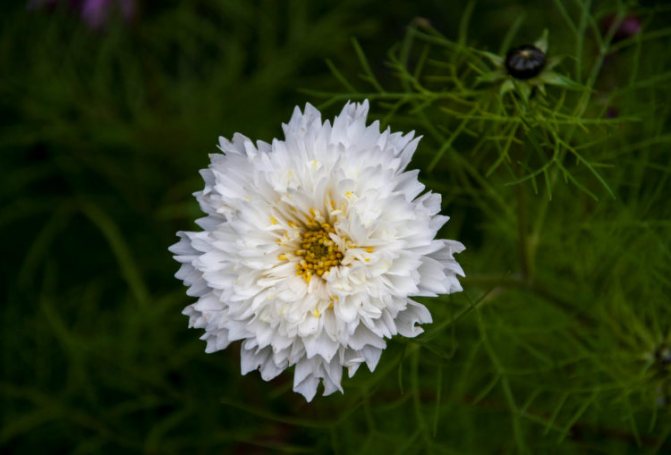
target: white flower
<point>312,247</point>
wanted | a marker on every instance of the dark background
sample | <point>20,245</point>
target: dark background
<point>103,131</point>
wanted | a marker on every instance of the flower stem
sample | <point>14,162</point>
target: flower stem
<point>522,234</point>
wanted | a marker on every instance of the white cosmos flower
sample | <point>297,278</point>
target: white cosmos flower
<point>312,247</point>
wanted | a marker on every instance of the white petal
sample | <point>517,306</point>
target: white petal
<point>414,313</point>
<point>251,360</point>
<point>321,345</point>
<point>307,388</point>
<point>372,356</point>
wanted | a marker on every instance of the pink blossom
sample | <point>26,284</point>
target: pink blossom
<point>95,13</point>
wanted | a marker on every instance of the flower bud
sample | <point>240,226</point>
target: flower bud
<point>525,62</point>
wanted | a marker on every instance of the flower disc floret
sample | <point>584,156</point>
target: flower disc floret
<point>318,252</point>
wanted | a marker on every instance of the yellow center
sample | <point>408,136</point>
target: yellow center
<point>317,251</point>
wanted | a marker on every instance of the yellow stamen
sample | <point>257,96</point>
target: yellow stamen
<point>318,252</point>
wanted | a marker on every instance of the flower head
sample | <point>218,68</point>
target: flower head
<point>312,248</point>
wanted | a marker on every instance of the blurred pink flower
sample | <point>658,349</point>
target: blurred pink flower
<point>95,13</point>
<point>626,27</point>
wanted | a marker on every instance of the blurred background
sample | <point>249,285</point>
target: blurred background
<point>110,108</point>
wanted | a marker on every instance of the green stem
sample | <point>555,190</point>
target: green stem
<point>522,233</point>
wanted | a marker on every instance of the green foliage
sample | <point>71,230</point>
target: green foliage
<point>558,187</point>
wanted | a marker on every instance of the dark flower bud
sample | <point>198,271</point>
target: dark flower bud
<point>525,62</point>
<point>628,27</point>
